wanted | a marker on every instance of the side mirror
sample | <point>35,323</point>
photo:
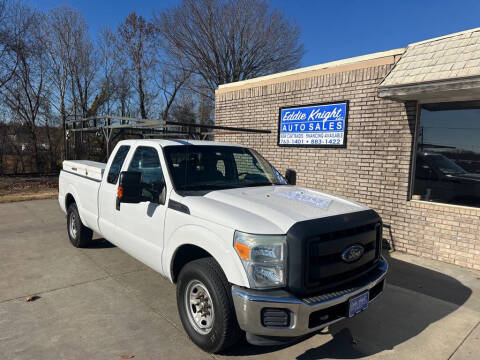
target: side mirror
<point>129,188</point>
<point>291,176</point>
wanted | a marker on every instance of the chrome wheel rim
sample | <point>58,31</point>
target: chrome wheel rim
<point>199,307</point>
<point>72,225</point>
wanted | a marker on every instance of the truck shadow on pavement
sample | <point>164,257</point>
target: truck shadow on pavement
<point>414,298</point>
<point>100,243</point>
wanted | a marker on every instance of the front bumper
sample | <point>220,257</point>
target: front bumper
<point>305,315</point>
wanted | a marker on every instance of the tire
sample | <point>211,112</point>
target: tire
<point>220,329</point>
<point>80,236</point>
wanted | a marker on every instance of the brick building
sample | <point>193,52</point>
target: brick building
<point>411,145</point>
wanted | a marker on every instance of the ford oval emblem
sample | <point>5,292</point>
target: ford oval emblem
<point>352,253</point>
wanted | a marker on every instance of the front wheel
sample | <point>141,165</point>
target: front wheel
<point>205,306</point>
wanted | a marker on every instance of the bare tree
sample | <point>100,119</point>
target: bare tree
<point>169,82</point>
<point>184,112</point>
<point>136,38</point>
<point>205,110</point>
<point>50,69</point>
<point>4,141</point>
<point>83,69</point>
<point>5,45</point>
<point>59,31</point>
<point>50,132</point>
<point>108,63</point>
<point>115,75</point>
<point>10,40</point>
<point>123,91</point>
<point>230,40</point>
<point>24,94</point>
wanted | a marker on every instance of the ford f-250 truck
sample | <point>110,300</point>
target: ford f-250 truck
<point>248,250</point>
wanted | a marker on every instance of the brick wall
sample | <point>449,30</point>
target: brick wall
<point>373,169</point>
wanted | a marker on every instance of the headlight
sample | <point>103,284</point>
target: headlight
<point>263,257</point>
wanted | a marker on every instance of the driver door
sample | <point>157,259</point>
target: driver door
<point>140,226</point>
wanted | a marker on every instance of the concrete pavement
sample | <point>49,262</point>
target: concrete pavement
<point>99,303</point>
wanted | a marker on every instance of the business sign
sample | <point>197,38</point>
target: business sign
<point>322,125</point>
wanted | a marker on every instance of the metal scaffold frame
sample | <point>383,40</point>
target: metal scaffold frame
<point>148,128</point>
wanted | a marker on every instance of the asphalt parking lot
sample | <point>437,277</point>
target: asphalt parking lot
<point>100,303</point>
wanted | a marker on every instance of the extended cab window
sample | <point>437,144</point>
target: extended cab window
<point>117,163</point>
<point>146,160</point>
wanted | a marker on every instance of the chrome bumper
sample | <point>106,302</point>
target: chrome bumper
<point>249,304</point>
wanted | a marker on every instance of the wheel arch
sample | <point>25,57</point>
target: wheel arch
<point>191,242</point>
<point>183,255</point>
<point>71,197</point>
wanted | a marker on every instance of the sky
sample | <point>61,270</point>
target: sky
<point>331,30</point>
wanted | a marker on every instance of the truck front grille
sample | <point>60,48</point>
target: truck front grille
<point>324,265</point>
<point>315,264</point>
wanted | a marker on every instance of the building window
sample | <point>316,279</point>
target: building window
<point>447,166</point>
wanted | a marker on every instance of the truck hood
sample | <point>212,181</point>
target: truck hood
<point>267,209</point>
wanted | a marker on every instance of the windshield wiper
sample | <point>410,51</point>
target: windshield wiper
<point>256,184</point>
<point>205,187</point>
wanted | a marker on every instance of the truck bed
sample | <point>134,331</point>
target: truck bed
<point>82,179</point>
<point>91,169</point>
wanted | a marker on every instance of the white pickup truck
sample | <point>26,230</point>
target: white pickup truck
<point>248,250</point>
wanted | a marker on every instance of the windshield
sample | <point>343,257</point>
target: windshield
<point>207,167</point>
<point>446,165</point>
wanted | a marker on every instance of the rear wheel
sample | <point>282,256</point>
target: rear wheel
<point>80,236</point>
<point>205,306</point>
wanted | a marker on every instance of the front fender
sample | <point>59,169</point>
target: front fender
<point>218,243</point>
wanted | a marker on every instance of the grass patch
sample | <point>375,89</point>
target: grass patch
<point>22,188</point>
<point>48,194</point>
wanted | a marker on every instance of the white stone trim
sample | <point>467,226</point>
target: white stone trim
<point>330,64</point>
